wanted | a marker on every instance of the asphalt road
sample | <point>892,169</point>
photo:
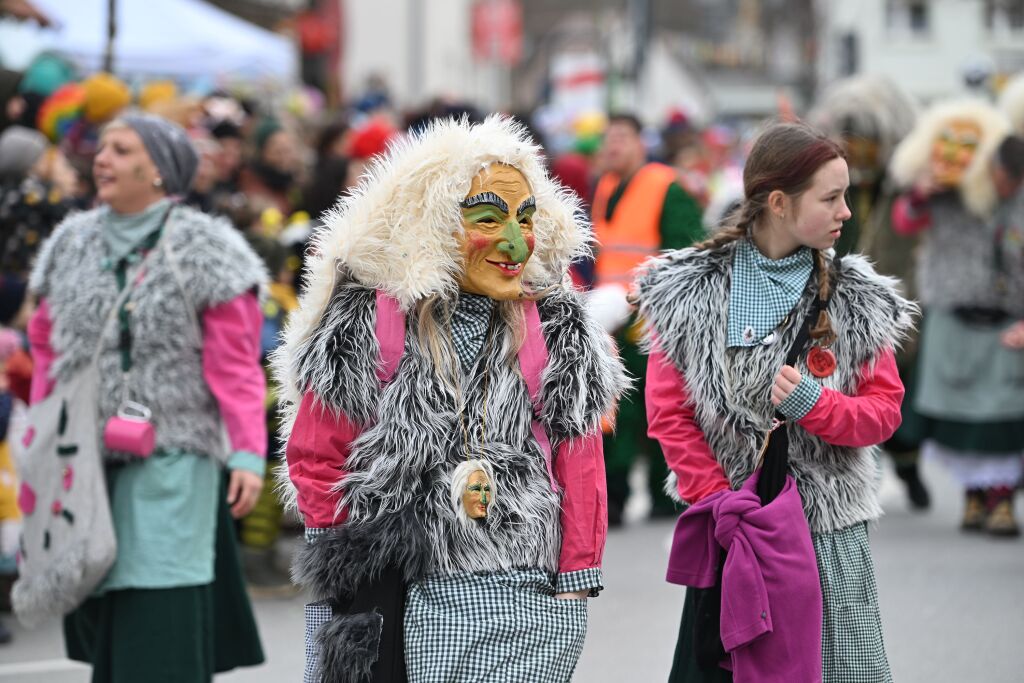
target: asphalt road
<point>952,607</point>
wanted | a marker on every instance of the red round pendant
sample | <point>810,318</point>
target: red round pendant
<point>821,362</point>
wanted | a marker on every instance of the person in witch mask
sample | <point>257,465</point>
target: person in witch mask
<point>454,503</point>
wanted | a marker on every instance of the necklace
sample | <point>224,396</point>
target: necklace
<point>472,481</point>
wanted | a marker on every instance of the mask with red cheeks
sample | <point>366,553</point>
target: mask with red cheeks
<point>953,150</point>
<point>497,237</point>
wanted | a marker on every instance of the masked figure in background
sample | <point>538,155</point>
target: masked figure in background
<point>1011,101</point>
<point>968,392</point>
<point>454,502</point>
<point>870,115</point>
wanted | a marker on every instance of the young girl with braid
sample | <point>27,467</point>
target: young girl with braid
<point>722,317</point>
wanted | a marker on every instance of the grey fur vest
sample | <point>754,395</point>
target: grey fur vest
<point>684,298</point>
<point>216,266</point>
<point>956,263</point>
<point>397,488</point>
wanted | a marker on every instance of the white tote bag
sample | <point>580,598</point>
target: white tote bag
<point>68,542</point>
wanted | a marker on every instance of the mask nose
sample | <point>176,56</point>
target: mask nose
<point>513,244</point>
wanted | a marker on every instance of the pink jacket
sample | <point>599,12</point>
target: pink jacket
<point>320,444</point>
<point>868,418</point>
<point>231,367</point>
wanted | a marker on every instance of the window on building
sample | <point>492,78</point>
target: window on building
<point>1004,16</point>
<point>848,54</point>
<point>908,18</point>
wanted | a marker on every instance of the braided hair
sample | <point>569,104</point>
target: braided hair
<point>785,157</point>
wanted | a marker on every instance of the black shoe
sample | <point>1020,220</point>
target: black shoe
<point>916,490</point>
<point>5,634</point>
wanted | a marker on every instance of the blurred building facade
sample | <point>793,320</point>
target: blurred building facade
<point>934,48</point>
<point>422,49</point>
<point>708,57</point>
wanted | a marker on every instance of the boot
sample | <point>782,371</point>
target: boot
<point>917,493</point>
<point>1000,520</point>
<point>5,634</point>
<point>974,510</point>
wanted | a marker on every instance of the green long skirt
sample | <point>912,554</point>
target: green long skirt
<point>170,635</point>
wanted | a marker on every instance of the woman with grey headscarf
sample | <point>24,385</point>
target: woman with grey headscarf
<point>184,347</point>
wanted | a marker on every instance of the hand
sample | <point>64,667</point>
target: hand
<point>1013,336</point>
<point>925,187</point>
<point>243,491</point>
<point>785,383</point>
<point>578,595</point>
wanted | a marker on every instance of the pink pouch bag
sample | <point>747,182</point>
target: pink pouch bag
<point>130,431</point>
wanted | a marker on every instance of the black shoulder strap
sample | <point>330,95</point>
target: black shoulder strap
<point>775,462</point>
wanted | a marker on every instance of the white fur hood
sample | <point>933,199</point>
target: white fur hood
<point>913,155</point>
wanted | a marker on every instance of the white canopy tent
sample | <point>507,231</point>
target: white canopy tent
<point>183,39</point>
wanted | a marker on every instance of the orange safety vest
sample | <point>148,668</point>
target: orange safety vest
<point>633,234</point>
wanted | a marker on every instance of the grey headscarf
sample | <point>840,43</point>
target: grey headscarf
<point>169,148</point>
<point>20,149</point>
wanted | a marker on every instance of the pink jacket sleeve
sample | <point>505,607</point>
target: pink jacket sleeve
<point>317,450</point>
<point>579,471</point>
<point>867,419</point>
<point>670,420</point>
<point>231,367</point>
<point>43,356</point>
<point>910,214</point>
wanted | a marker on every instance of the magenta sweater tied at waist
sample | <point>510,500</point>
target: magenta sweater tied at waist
<point>771,594</point>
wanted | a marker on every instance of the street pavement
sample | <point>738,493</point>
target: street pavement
<point>952,606</point>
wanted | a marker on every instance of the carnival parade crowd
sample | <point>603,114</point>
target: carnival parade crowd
<point>436,343</point>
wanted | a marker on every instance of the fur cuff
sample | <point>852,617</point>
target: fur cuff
<point>348,647</point>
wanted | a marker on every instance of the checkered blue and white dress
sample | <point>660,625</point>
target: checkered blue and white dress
<point>504,626</point>
<point>852,647</point>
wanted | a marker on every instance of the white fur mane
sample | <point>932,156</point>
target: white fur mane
<point>873,105</point>
<point>396,230</point>
<point>1011,101</point>
<point>913,156</point>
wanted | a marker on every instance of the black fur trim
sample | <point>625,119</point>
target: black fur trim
<point>348,647</point>
<point>338,562</point>
<point>338,362</point>
<point>584,376</point>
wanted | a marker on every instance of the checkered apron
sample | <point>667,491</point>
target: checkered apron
<point>852,647</point>
<point>504,627</point>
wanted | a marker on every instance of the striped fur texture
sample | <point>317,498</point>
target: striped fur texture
<point>397,489</point>
<point>396,233</point>
<point>216,266</point>
<point>684,299</point>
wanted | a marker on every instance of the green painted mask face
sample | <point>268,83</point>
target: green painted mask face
<point>477,496</point>
<point>497,238</point>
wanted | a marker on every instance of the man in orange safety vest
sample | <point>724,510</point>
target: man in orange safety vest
<point>639,209</point>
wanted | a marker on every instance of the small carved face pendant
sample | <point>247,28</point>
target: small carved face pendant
<point>477,496</point>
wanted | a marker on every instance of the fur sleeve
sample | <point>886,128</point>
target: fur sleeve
<point>584,376</point>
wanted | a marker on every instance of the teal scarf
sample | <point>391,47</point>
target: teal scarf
<point>125,233</point>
